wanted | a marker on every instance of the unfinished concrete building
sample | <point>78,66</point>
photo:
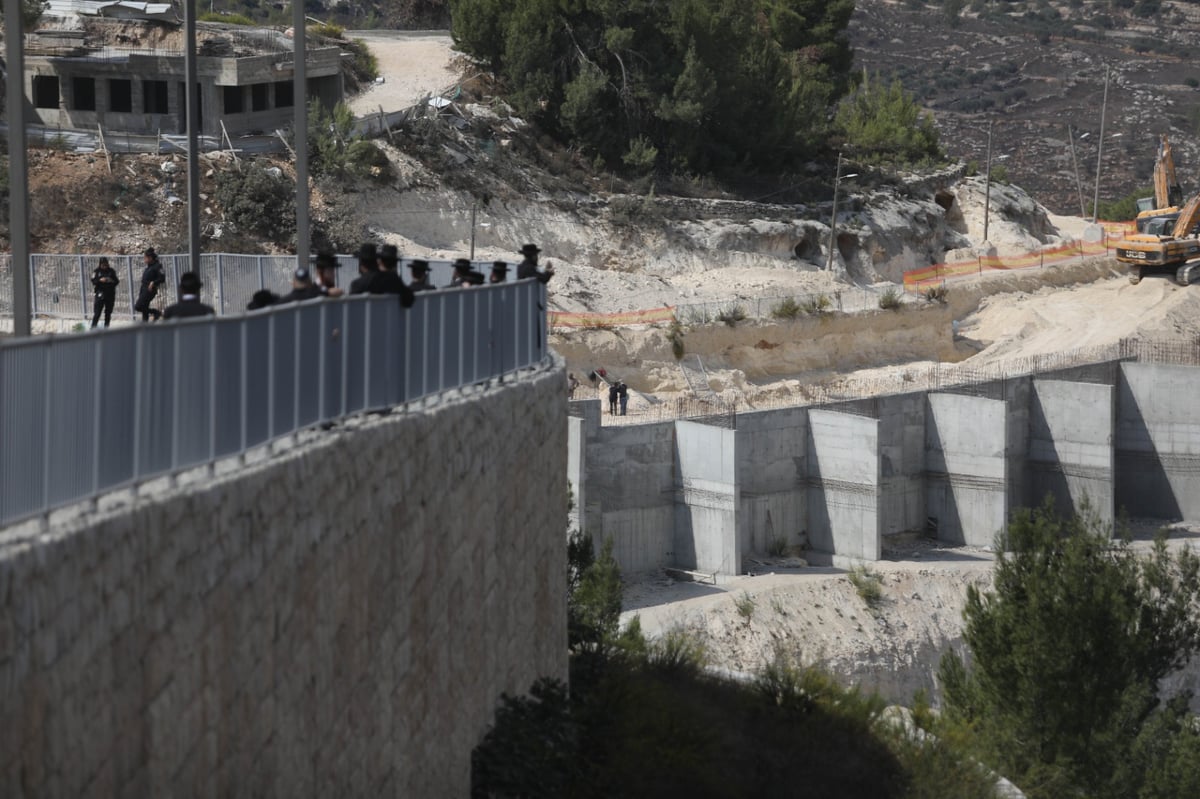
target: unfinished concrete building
<point>120,66</point>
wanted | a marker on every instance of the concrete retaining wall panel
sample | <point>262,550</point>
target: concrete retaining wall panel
<point>967,467</point>
<point>1158,441</point>
<point>338,619</point>
<point>843,463</point>
<point>902,463</point>
<point>772,451</point>
<point>706,525</point>
<point>1071,446</point>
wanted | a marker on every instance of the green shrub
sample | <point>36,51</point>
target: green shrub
<point>890,300</point>
<point>732,315</point>
<point>938,293</point>
<point>675,335</point>
<point>868,585</point>
<point>227,19</point>
<point>328,30</point>
<point>641,155</point>
<point>786,309</point>
<point>745,605</point>
<point>817,304</point>
<point>256,203</point>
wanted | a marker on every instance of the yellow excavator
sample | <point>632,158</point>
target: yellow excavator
<point>1166,236</point>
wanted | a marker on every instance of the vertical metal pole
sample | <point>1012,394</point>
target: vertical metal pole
<point>83,292</point>
<point>212,391</point>
<point>300,93</point>
<point>18,166</point>
<point>987,185</point>
<point>1100,148</point>
<point>221,280</point>
<point>98,344</point>
<point>474,207</point>
<point>833,219</point>
<point>262,282</point>
<point>1075,164</point>
<point>192,98</point>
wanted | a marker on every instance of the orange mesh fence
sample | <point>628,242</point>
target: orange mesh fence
<point>917,279</point>
<point>565,319</point>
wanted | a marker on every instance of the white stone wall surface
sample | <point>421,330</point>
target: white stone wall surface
<point>337,618</point>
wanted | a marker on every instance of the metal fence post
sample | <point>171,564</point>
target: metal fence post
<point>262,284</point>
<point>83,292</point>
<point>221,280</point>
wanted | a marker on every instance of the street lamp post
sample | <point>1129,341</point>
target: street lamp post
<point>1100,147</point>
<point>837,181</point>
<point>1075,163</point>
<point>987,184</point>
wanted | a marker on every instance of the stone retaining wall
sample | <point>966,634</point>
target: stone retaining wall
<point>338,619</point>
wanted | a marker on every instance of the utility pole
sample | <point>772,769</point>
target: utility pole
<point>300,123</point>
<point>474,208</point>
<point>837,180</point>
<point>1100,147</point>
<point>192,99</point>
<point>987,185</point>
<point>18,167</point>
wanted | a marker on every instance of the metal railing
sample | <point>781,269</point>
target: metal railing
<point>84,414</point>
<point>62,286</point>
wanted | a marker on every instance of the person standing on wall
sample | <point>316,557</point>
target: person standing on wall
<point>368,267</point>
<point>623,395</point>
<point>189,299</point>
<point>153,276</point>
<point>420,276</point>
<point>105,279</point>
<point>327,266</point>
<point>387,280</point>
<point>613,393</point>
<point>529,267</point>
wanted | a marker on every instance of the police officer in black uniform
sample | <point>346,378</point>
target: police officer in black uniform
<point>105,279</point>
<point>153,276</point>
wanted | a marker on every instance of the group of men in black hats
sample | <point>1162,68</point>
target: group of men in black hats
<point>377,268</point>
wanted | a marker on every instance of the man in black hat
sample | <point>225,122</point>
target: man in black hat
<point>528,267</point>
<point>189,299</point>
<point>105,279</point>
<point>302,288</point>
<point>327,265</point>
<point>368,267</point>
<point>420,276</point>
<point>499,272</point>
<point>387,279</point>
<point>464,275</point>
<point>263,298</point>
<point>153,276</point>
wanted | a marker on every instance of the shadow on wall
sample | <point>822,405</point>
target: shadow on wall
<point>1142,485</point>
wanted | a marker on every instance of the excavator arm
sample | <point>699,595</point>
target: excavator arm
<point>1187,218</point>
<point>1167,191</point>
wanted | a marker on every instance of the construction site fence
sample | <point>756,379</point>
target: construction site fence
<point>856,394</point>
<point>916,280</point>
<point>85,414</point>
<point>61,285</point>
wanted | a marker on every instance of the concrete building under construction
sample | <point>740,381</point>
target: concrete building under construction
<point>120,65</point>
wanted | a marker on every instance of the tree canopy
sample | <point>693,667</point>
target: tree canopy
<point>702,84</point>
<point>1068,650</point>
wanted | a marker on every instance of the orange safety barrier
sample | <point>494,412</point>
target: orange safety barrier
<point>917,279</point>
<point>567,319</point>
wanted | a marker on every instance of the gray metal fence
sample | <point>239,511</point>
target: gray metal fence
<point>62,284</point>
<point>84,414</point>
